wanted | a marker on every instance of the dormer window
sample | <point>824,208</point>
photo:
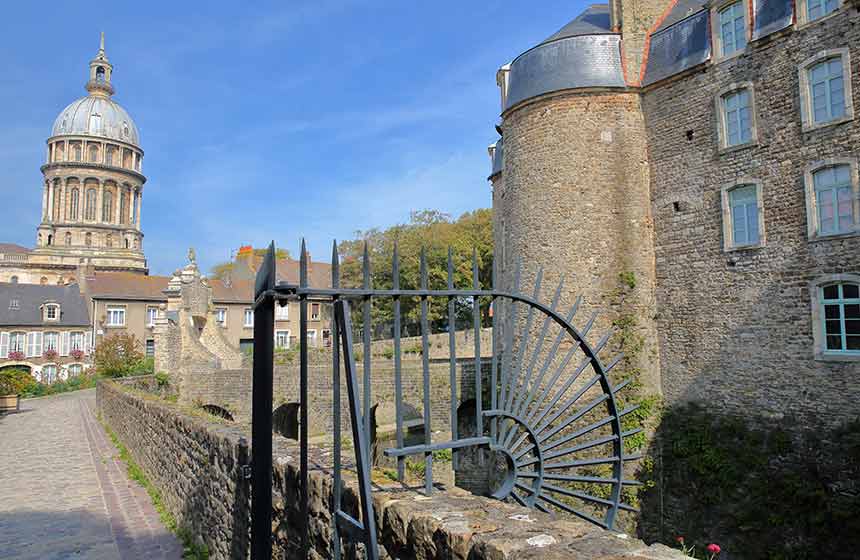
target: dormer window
<point>52,312</point>
<point>95,123</point>
<point>14,304</point>
<point>125,129</point>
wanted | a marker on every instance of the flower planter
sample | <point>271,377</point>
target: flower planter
<point>9,403</point>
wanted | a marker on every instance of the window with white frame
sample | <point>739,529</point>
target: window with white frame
<point>52,341</point>
<point>282,339</point>
<point>833,198</point>
<point>825,89</point>
<point>315,312</point>
<point>743,221</point>
<point>282,312</point>
<point>732,30</point>
<point>736,117</point>
<point>150,348</point>
<point>840,312</point>
<point>34,344</point>
<point>49,374</point>
<point>17,342</point>
<point>75,370</point>
<point>221,316</point>
<point>115,316</point>
<point>326,337</point>
<point>151,315</point>
<point>52,312</point>
<point>249,317</point>
<point>312,337</point>
<point>76,341</point>
<point>811,10</point>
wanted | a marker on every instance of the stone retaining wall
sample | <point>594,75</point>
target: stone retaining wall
<point>195,461</point>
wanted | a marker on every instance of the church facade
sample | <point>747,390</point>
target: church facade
<point>691,169</point>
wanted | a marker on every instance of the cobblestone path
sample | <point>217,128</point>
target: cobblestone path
<point>64,492</point>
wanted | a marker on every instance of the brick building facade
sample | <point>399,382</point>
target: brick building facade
<point>714,172</point>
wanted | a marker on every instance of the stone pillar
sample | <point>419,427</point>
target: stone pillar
<point>116,208</point>
<point>100,201</point>
<point>137,211</point>
<point>51,201</point>
<point>45,189</point>
<point>63,200</point>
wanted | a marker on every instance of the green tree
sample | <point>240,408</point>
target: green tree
<point>119,355</point>
<point>435,232</point>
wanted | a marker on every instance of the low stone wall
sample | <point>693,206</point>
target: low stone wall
<point>195,460</point>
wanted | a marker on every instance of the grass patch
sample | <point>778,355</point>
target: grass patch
<point>191,550</point>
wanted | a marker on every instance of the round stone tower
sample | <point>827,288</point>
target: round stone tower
<point>571,185</point>
<point>93,184</point>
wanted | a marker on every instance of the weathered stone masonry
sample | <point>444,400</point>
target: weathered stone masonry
<point>196,464</point>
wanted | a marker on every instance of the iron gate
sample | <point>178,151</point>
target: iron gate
<point>548,409</point>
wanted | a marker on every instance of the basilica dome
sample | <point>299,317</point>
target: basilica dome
<point>96,115</point>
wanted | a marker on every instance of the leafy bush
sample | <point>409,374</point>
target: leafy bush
<point>119,355</point>
<point>13,381</point>
<point>37,389</point>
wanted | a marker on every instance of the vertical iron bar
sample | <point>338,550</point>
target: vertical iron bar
<point>398,381</point>
<point>335,400</point>
<point>367,350</point>
<point>303,394</point>
<point>494,310</point>
<point>510,320</point>
<point>452,356</point>
<point>261,415</point>
<point>476,321</point>
<point>359,443</point>
<point>425,362</point>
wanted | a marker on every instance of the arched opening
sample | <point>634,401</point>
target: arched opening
<point>50,239</point>
<point>43,280</point>
<point>68,238</point>
<point>13,280</point>
<point>88,239</point>
<point>90,206</point>
<point>218,411</point>
<point>107,206</point>
<point>285,420</point>
<point>126,243</point>
<point>100,74</point>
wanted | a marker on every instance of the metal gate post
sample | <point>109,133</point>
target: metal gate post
<point>261,414</point>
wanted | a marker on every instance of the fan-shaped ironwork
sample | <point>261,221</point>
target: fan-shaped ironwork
<point>546,413</point>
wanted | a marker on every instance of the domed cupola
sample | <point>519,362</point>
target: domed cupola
<point>97,114</point>
<point>93,181</point>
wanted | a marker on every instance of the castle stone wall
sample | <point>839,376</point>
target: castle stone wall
<point>736,327</point>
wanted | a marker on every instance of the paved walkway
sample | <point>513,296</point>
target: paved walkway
<point>64,492</point>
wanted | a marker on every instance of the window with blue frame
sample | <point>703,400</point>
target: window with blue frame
<point>743,210</point>
<point>841,305</point>
<point>819,8</point>
<point>733,33</point>
<point>737,115</point>
<point>834,200</point>
<point>827,90</point>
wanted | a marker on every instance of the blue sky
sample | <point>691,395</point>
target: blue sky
<point>290,119</point>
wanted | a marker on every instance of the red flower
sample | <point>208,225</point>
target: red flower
<point>714,548</point>
<point>680,539</point>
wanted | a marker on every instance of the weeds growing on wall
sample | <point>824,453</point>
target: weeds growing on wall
<point>760,490</point>
<point>191,549</point>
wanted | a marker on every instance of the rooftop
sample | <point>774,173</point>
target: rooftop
<point>20,305</point>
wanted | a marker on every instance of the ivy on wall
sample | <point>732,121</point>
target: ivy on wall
<point>760,490</point>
